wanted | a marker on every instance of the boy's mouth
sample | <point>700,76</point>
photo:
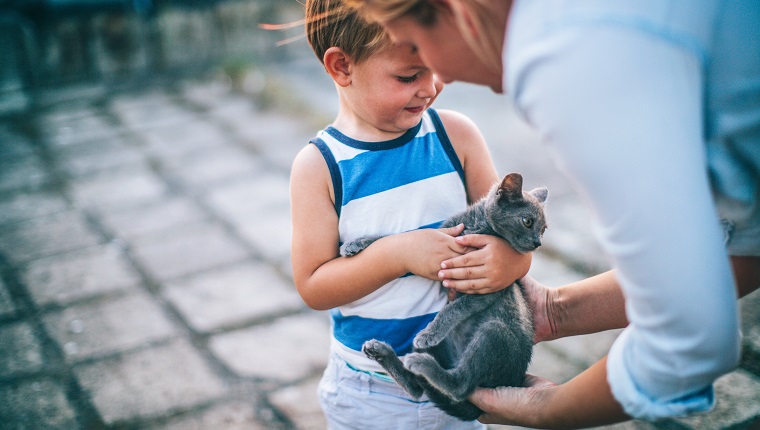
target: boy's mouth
<point>416,109</point>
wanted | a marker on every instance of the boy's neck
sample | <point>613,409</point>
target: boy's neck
<point>355,128</point>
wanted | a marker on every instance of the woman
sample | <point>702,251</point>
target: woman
<point>652,108</point>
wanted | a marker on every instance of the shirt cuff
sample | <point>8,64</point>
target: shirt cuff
<point>640,405</point>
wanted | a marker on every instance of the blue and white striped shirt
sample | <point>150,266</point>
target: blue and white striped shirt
<point>411,182</point>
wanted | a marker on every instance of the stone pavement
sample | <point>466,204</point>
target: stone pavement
<point>145,279</point>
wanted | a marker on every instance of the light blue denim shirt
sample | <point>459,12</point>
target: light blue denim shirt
<point>652,108</point>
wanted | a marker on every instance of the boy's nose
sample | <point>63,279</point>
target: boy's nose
<point>430,86</point>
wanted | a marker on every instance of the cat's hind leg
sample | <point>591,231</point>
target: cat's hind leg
<point>386,357</point>
<point>476,365</point>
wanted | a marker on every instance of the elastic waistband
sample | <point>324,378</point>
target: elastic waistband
<point>380,375</point>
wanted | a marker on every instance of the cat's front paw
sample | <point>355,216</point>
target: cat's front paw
<point>377,350</point>
<point>349,249</point>
<point>424,340</point>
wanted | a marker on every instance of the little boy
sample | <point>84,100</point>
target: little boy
<point>387,165</point>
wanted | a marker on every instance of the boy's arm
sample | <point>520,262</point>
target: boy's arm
<point>492,263</point>
<point>323,279</point>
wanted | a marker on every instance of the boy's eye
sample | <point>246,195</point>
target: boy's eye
<point>407,79</point>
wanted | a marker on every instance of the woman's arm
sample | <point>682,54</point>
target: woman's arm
<point>545,405</point>
<point>323,278</point>
<point>492,263</point>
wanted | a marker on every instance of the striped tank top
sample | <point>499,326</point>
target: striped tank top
<point>411,182</point>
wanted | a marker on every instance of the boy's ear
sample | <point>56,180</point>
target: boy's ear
<point>338,65</point>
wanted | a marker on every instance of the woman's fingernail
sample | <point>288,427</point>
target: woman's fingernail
<point>446,284</point>
<point>443,265</point>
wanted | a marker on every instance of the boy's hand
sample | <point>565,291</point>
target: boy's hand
<point>490,265</point>
<point>423,250</point>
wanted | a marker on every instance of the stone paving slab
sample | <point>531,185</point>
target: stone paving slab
<point>36,404</point>
<point>286,350</point>
<point>232,296</point>
<point>42,237</point>
<point>108,326</point>
<point>23,351</point>
<point>300,403</point>
<point>150,382</point>
<point>78,275</point>
<point>182,252</point>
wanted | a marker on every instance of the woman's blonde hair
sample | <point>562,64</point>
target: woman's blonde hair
<point>485,42</point>
<point>331,23</point>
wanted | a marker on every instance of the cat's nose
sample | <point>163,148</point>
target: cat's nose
<point>537,242</point>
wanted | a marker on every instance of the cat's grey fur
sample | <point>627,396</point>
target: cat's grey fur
<point>478,340</point>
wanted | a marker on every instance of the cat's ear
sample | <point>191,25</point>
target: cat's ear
<point>540,194</point>
<point>511,186</point>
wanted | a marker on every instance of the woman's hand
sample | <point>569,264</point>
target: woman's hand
<point>490,265</point>
<point>512,405</point>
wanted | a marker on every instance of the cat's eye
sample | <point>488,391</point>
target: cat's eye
<point>543,230</point>
<point>527,222</point>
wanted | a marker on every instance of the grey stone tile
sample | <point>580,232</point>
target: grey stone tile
<point>192,135</point>
<point>21,350</point>
<point>287,349</point>
<point>737,402</point>
<point>36,405</point>
<point>549,364</point>
<point>585,349</point>
<point>103,155</point>
<point>570,234</point>
<point>70,127</point>
<point>119,188</point>
<point>248,201</point>
<point>42,237</point>
<point>79,274</point>
<point>270,233</point>
<point>186,251</point>
<point>110,326</point>
<point>149,383</point>
<point>210,167</point>
<point>7,307</point>
<point>300,404</point>
<point>228,416</point>
<point>26,206</point>
<point>552,272</point>
<point>231,296</point>
<point>154,218</point>
<point>142,111</point>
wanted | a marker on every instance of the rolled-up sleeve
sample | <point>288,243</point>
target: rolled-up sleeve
<point>621,112</point>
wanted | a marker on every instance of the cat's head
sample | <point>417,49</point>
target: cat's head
<point>517,215</point>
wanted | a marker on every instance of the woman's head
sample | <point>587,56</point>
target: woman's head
<point>330,23</point>
<point>458,39</point>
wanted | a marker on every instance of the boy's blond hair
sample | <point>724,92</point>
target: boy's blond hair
<point>331,23</point>
<point>425,12</point>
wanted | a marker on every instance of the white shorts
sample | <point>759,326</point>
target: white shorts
<point>352,399</point>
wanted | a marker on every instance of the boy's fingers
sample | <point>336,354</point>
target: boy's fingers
<point>453,231</point>
<point>464,273</point>
<point>474,240</point>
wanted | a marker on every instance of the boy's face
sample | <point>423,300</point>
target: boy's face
<point>392,89</point>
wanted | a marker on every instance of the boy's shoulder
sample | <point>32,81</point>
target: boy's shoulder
<point>459,127</point>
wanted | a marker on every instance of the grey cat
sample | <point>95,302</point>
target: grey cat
<point>478,340</point>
